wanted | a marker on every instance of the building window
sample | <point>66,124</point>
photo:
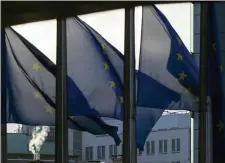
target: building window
<point>51,134</point>
<point>150,147</point>
<point>89,153</point>
<point>112,151</point>
<point>162,146</point>
<point>175,145</point>
<point>101,152</point>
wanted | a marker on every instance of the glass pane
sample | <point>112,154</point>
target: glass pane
<point>173,145</point>
<point>152,147</point>
<point>178,145</point>
<point>115,150</point>
<point>91,153</point>
<point>86,153</point>
<point>99,152</point>
<point>103,152</point>
<point>110,150</point>
<point>148,148</point>
<point>160,146</point>
<point>165,146</point>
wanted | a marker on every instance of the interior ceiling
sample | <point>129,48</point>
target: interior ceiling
<point>19,12</point>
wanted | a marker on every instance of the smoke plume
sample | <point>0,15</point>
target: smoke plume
<point>39,135</point>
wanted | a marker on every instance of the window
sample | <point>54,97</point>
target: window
<point>175,145</point>
<point>89,153</point>
<point>51,134</point>
<point>101,152</point>
<point>121,152</point>
<point>162,146</point>
<point>176,162</point>
<point>150,148</point>
<point>112,150</point>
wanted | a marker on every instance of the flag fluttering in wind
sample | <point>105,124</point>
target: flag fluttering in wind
<point>31,91</point>
<point>158,88</point>
<point>95,77</point>
<point>216,77</point>
<point>168,75</point>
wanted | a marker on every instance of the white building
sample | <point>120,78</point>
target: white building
<point>169,142</point>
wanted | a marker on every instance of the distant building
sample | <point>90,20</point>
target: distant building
<point>18,142</point>
<point>169,142</point>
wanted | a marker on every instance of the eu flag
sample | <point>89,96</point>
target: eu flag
<point>31,91</point>
<point>145,117</point>
<point>216,77</point>
<point>168,73</point>
<point>153,96</point>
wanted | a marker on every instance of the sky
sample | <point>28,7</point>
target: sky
<point>110,25</point>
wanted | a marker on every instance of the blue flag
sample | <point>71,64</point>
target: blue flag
<point>216,77</point>
<point>147,115</point>
<point>89,67</point>
<point>169,74</point>
<point>31,89</point>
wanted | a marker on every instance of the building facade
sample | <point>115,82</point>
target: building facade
<point>169,142</point>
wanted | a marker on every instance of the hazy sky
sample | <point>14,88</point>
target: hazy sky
<point>111,26</point>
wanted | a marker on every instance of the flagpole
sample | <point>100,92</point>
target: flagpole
<point>61,116</point>
<point>3,100</point>
<point>129,123</point>
<point>203,77</point>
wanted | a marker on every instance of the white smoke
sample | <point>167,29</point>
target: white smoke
<point>39,135</point>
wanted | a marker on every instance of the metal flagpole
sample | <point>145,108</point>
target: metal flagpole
<point>61,116</point>
<point>129,123</point>
<point>203,77</point>
<point>3,100</point>
<point>192,152</point>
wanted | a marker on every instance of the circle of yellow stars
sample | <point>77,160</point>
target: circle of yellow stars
<point>220,126</point>
<point>112,84</point>
<point>37,94</point>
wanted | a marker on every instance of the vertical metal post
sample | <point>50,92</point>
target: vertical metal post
<point>61,117</point>
<point>129,123</point>
<point>192,137</point>
<point>203,77</point>
<point>3,98</point>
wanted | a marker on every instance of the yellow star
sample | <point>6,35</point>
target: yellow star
<point>220,126</point>
<point>112,84</point>
<point>71,117</point>
<point>179,40</point>
<point>106,66</point>
<point>121,99</point>
<point>197,99</point>
<point>103,46</point>
<point>221,68</point>
<point>182,76</point>
<point>187,90</point>
<point>179,57</point>
<point>36,67</point>
<point>37,94</point>
<point>214,46</point>
<point>48,109</point>
<point>50,62</point>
